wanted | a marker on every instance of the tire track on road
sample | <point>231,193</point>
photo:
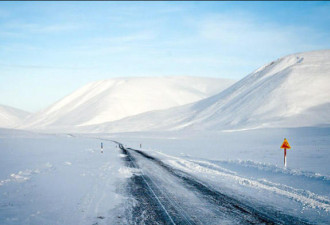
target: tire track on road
<point>153,205</point>
<point>224,203</point>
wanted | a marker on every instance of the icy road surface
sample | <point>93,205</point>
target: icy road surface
<point>65,179</point>
<point>165,195</point>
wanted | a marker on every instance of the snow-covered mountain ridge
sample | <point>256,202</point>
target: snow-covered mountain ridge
<point>282,94</point>
<point>11,117</point>
<point>292,91</point>
<point>113,99</point>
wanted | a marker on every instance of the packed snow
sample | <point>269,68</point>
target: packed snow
<point>65,179</point>
<point>250,164</point>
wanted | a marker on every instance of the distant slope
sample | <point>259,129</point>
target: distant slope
<point>293,91</point>
<point>11,117</point>
<point>114,99</point>
<point>275,95</point>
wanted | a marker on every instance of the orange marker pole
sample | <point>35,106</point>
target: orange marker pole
<point>285,157</point>
<point>285,145</point>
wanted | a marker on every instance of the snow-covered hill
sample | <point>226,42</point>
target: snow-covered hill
<point>11,117</point>
<point>114,99</point>
<point>293,91</point>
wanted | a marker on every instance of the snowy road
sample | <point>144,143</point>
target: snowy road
<point>166,195</point>
<point>64,179</point>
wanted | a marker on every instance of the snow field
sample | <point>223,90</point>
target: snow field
<point>65,179</point>
<point>59,180</point>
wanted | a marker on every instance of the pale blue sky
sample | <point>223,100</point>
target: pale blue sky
<point>49,49</point>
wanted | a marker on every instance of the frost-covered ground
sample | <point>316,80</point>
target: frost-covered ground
<point>57,179</point>
<point>65,179</point>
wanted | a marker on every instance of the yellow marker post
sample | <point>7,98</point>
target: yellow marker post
<point>285,145</point>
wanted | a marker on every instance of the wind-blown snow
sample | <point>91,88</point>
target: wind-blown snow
<point>250,164</point>
<point>290,92</point>
<point>11,117</point>
<point>58,179</point>
<point>65,179</point>
<point>114,99</point>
